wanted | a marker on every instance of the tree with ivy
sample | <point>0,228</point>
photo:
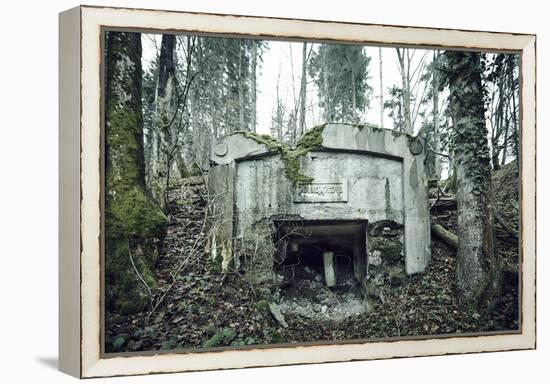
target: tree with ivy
<point>340,73</point>
<point>478,266</point>
<point>134,223</point>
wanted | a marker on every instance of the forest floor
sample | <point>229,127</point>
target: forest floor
<point>198,306</point>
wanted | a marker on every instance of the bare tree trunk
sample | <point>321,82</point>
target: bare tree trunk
<point>303,83</point>
<point>495,137</point>
<point>404,65</point>
<point>241,92</point>
<point>478,266</point>
<point>436,133</point>
<point>381,89</point>
<point>278,114</point>
<point>164,116</point>
<point>511,110</point>
<point>253,84</point>
<point>353,94</point>
<point>506,127</point>
<point>326,89</point>
<point>515,122</point>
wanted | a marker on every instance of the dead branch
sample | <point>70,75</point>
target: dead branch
<point>138,274</point>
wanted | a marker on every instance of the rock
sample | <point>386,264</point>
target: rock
<point>374,258</point>
<point>277,314</point>
<point>324,309</point>
<point>305,312</point>
<point>309,270</point>
<point>318,278</point>
<point>378,279</point>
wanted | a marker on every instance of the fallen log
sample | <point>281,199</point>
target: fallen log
<point>446,236</point>
<point>505,225</point>
<point>443,204</point>
<point>451,239</point>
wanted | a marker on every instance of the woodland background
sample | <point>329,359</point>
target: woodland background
<point>39,362</point>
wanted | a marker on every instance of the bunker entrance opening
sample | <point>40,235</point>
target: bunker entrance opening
<point>321,265</point>
<point>331,251</point>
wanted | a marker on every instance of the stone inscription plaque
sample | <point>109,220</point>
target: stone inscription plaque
<point>321,192</point>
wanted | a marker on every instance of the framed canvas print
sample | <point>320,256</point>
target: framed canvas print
<point>251,191</point>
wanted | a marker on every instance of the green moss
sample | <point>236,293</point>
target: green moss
<point>223,337</point>
<point>311,140</point>
<point>134,222</point>
<point>134,226</point>
<point>262,307</point>
<point>120,340</point>
<point>274,337</point>
<point>372,127</point>
<point>389,249</point>
<point>128,308</point>
<point>169,344</point>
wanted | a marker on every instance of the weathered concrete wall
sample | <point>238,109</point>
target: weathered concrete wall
<point>358,173</point>
<point>374,188</point>
<point>415,194</point>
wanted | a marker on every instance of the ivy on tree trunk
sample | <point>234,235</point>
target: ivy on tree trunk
<point>478,267</point>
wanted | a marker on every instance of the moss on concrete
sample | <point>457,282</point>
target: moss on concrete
<point>311,140</point>
<point>390,249</point>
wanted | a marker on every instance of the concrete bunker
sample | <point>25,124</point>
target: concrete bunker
<point>344,191</point>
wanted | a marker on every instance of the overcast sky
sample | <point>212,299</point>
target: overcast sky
<point>282,61</point>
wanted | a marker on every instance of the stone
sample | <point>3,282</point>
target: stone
<point>375,258</point>
<point>305,312</point>
<point>378,279</point>
<point>278,315</point>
